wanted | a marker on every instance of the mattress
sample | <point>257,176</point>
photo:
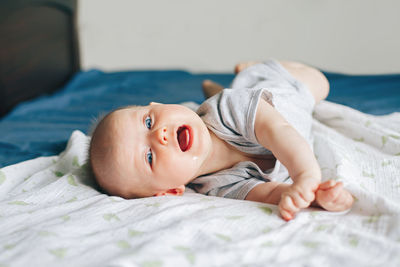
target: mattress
<point>52,215</point>
<point>41,127</point>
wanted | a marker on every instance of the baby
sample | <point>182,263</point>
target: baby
<point>243,143</point>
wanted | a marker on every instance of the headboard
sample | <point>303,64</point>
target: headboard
<point>38,48</point>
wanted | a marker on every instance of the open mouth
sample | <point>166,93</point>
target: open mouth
<point>184,138</point>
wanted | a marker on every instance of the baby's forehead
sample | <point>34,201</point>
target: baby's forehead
<point>124,113</point>
<point>131,108</point>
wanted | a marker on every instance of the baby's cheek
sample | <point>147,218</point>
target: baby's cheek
<point>181,172</point>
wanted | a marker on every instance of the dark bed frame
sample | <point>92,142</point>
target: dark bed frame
<point>38,48</point>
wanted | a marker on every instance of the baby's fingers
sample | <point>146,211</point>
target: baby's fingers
<point>327,184</point>
<point>303,191</point>
<point>287,216</point>
<point>333,192</point>
<point>287,208</point>
<point>300,201</point>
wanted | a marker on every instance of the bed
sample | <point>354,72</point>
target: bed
<point>52,214</point>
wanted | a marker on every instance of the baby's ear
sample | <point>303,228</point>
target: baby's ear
<point>172,192</point>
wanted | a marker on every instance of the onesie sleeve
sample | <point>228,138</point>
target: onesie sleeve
<point>233,183</point>
<point>231,116</point>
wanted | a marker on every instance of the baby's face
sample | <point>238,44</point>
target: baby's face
<point>150,149</point>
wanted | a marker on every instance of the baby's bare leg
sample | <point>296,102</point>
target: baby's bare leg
<point>313,78</point>
<point>211,88</point>
<point>243,65</point>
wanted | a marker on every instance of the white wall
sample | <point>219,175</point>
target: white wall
<point>352,36</point>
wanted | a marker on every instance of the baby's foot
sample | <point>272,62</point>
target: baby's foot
<point>241,66</point>
<point>333,197</point>
<point>211,88</point>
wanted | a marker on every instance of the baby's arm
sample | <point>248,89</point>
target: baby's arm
<point>330,195</point>
<point>291,149</point>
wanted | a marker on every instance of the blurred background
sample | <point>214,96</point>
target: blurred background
<point>43,43</point>
<point>350,36</point>
<point>49,48</point>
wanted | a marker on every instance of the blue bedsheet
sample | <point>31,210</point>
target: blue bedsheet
<point>42,126</point>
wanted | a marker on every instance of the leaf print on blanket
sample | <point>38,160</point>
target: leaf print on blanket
<point>367,174</point>
<point>311,244</point>
<point>9,246</point>
<point>46,233</point>
<point>75,162</point>
<point>267,244</point>
<point>373,219</point>
<point>188,253</point>
<point>123,244</point>
<point>322,227</point>
<point>133,233</point>
<point>2,177</point>
<point>65,218</point>
<point>110,216</point>
<point>266,210</point>
<point>18,202</point>
<point>384,140</point>
<point>58,174</point>
<point>71,180</point>
<point>59,252</point>
<point>353,241</point>
<point>237,217</point>
<point>223,237</point>
<point>152,264</point>
<point>72,200</point>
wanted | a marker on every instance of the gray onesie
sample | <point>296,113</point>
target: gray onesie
<point>231,116</point>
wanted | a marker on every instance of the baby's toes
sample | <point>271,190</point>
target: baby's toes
<point>239,67</point>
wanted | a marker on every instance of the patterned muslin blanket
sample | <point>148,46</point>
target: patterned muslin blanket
<point>51,214</point>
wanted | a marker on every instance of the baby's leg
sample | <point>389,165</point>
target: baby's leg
<point>244,65</point>
<point>313,78</point>
<point>211,88</point>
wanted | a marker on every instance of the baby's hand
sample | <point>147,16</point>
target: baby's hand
<point>298,196</point>
<point>333,197</point>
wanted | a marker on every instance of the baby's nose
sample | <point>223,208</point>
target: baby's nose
<point>162,135</point>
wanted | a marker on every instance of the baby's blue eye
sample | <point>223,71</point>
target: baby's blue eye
<point>149,157</point>
<point>147,121</point>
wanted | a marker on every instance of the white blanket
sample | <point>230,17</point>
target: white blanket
<point>51,215</point>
